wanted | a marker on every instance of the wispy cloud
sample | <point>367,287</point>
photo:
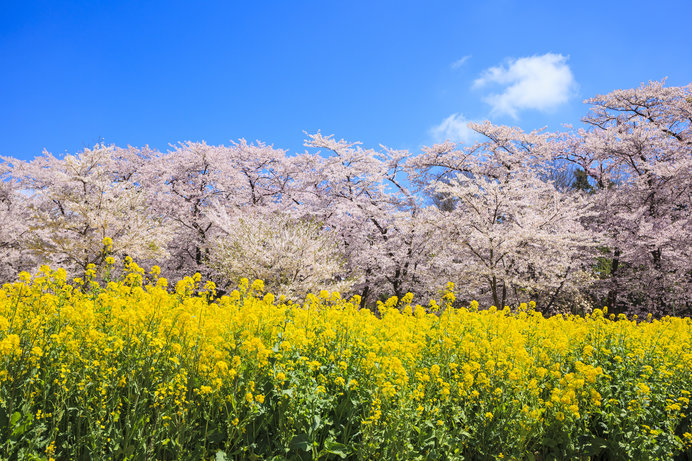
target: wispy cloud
<point>536,82</point>
<point>454,128</point>
<point>460,62</point>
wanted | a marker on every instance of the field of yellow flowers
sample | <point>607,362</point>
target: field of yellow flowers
<point>134,369</point>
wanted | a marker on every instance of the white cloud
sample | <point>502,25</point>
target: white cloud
<point>454,128</point>
<point>535,82</point>
<point>460,62</point>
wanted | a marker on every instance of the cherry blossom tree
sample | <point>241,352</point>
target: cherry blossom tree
<point>15,224</point>
<point>510,235</point>
<point>292,256</point>
<point>183,184</point>
<point>75,202</point>
<point>364,197</point>
<point>637,152</point>
<point>516,238</point>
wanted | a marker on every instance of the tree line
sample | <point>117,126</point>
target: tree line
<point>589,216</point>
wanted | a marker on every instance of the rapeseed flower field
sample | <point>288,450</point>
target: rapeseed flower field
<point>134,369</point>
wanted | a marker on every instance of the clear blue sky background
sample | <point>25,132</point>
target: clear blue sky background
<point>381,72</point>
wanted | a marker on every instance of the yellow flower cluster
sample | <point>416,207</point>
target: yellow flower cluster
<point>100,363</point>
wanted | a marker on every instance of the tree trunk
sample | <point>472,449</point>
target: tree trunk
<point>493,287</point>
<point>611,299</point>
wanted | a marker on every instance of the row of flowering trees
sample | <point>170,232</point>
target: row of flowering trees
<point>597,215</point>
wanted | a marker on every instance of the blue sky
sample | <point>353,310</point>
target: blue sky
<point>399,73</point>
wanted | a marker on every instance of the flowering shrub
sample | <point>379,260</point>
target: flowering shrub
<point>133,369</point>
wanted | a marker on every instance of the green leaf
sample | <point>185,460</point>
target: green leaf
<point>336,448</point>
<point>18,426</point>
<point>288,392</point>
<point>301,442</point>
<point>317,422</point>
<point>221,456</point>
